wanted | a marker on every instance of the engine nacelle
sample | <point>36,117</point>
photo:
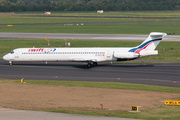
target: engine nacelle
<point>126,55</point>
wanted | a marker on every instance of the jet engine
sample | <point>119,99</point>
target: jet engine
<point>126,55</point>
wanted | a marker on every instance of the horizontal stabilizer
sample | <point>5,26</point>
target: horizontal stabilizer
<point>156,35</point>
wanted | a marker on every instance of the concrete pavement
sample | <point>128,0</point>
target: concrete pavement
<point>12,114</point>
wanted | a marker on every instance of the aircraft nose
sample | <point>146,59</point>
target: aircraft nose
<point>5,57</point>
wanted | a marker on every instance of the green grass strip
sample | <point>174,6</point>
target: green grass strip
<point>110,28</point>
<point>161,113</point>
<point>109,85</point>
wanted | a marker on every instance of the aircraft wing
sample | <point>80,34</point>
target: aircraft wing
<point>84,59</point>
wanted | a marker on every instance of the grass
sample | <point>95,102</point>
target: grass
<point>161,113</point>
<point>111,28</point>
<point>36,20</point>
<point>6,45</point>
<point>168,51</point>
<point>158,113</point>
<point>109,85</point>
<point>95,25</point>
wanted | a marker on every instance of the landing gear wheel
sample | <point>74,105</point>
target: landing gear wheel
<point>10,63</point>
<point>89,65</point>
<point>95,63</point>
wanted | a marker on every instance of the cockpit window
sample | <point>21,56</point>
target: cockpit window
<point>12,52</point>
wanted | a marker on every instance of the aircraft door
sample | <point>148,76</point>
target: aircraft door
<point>108,55</point>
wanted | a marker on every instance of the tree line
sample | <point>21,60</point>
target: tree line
<point>87,5</point>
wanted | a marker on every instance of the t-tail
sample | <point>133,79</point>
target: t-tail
<point>148,46</point>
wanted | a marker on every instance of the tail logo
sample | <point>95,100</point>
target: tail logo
<point>143,46</point>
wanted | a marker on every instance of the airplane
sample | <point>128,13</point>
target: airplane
<point>89,55</point>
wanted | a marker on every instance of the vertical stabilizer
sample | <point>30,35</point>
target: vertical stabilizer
<point>148,46</point>
<point>152,41</point>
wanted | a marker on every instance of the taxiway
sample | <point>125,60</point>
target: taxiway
<point>151,74</point>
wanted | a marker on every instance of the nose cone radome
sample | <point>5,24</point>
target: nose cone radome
<point>5,57</point>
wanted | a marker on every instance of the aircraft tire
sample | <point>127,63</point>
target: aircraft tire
<point>95,63</point>
<point>89,65</point>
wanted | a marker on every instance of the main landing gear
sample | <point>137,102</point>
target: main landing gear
<point>89,65</point>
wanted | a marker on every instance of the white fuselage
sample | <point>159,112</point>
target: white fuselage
<point>65,54</point>
<point>90,55</point>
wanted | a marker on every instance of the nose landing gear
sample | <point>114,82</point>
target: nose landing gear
<point>10,62</point>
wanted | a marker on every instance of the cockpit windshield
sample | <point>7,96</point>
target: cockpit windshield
<point>12,52</point>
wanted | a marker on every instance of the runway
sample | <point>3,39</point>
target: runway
<point>151,74</point>
<point>4,35</point>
